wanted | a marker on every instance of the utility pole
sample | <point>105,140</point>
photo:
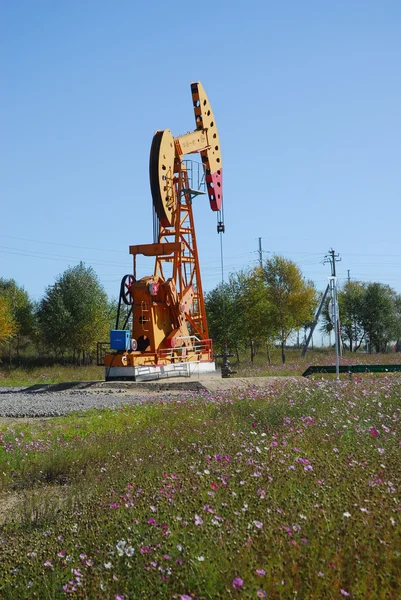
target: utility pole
<point>260,253</point>
<point>349,278</point>
<point>314,323</point>
<point>332,258</point>
<point>334,317</point>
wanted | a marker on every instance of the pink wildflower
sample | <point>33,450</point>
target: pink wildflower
<point>237,583</point>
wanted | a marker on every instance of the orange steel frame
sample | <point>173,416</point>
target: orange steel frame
<point>184,262</point>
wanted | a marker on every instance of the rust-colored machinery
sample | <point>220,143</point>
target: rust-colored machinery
<point>168,333</point>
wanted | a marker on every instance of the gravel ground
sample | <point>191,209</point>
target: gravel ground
<point>57,400</point>
<point>18,402</point>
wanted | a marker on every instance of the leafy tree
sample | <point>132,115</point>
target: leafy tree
<point>74,313</point>
<point>218,304</point>
<point>224,316</point>
<point>290,298</point>
<point>8,326</point>
<point>22,310</point>
<point>257,326</point>
<point>378,315</point>
<point>397,329</point>
<point>350,304</point>
<point>369,311</point>
<point>236,312</point>
<point>113,311</point>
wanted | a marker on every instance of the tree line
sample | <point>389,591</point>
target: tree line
<point>266,305</point>
<point>260,307</point>
<point>73,315</point>
<point>370,314</point>
<point>257,307</point>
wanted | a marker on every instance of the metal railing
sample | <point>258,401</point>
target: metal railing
<point>176,355</point>
<point>196,174</point>
<point>350,369</point>
<point>180,353</point>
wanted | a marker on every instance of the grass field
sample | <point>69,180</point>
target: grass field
<point>26,376</point>
<point>291,492</point>
<point>20,376</point>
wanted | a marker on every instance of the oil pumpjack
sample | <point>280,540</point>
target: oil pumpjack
<point>168,333</point>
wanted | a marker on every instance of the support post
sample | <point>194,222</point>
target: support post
<point>334,316</point>
<point>312,329</point>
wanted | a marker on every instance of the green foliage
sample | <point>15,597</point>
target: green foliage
<point>22,311</point>
<point>351,300</point>
<point>397,324</point>
<point>261,305</point>
<point>255,310</point>
<point>74,313</point>
<point>21,305</point>
<point>368,311</point>
<point>237,312</point>
<point>8,326</point>
<point>378,315</point>
<point>113,310</point>
<point>222,316</point>
<point>291,299</point>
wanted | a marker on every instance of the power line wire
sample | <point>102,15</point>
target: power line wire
<point>60,244</point>
<point>19,252</point>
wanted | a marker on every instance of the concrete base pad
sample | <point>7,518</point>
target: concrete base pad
<point>157,372</point>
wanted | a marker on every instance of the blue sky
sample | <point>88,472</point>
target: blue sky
<point>307,98</point>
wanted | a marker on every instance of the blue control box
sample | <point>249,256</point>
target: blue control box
<point>120,339</point>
